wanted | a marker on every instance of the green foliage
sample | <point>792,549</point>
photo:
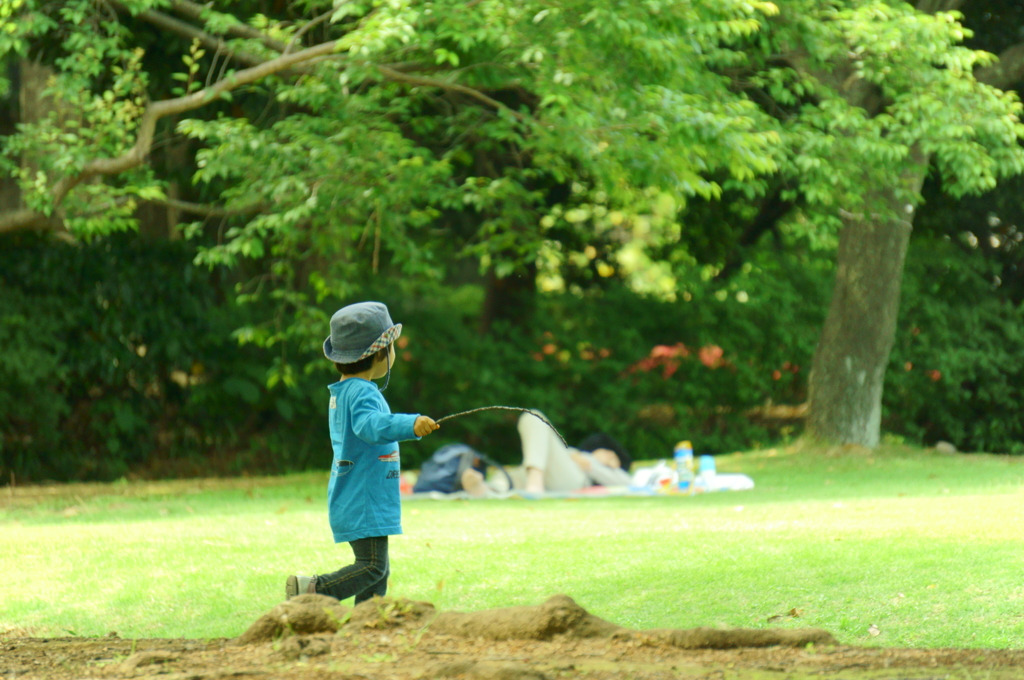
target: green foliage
<point>383,175</point>
<point>97,100</point>
<point>516,128</point>
<point>570,138</point>
<point>955,373</point>
<point>31,333</point>
<point>869,84</point>
<point>988,227</point>
<point>101,343</point>
<point>373,171</point>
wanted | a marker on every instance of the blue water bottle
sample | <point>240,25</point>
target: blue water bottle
<point>683,455</point>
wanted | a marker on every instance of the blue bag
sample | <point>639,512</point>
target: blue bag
<point>443,472</point>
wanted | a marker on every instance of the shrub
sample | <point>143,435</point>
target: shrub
<point>101,342</point>
<point>957,372</point>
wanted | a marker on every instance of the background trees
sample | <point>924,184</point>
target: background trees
<point>469,152</point>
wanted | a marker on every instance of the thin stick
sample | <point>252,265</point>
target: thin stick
<point>506,408</point>
<point>308,25</point>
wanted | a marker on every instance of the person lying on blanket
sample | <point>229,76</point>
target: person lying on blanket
<point>551,466</point>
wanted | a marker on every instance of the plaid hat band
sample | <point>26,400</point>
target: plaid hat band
<point>386,338</point>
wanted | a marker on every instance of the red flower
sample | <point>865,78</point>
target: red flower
<point>549,348</point>
<point>662,351</point>
<point>711,356</point>
<point>537,356</point>
<point>935,375</point>
<point>666,356</point>
<point>644,365</point>
<point>776,374</point>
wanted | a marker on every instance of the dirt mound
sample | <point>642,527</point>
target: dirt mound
<point>315,614</point>
<point>558,616</point>
<point>396,640</point>
<point>738,638</point>
<point>303,615</point>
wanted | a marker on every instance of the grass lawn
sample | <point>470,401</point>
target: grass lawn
<point>926,548</point>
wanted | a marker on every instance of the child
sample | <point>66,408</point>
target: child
<point>363,494</point>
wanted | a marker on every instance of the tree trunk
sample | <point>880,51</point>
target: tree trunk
<point>848,368</point>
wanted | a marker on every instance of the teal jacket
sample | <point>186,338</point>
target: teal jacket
<point>363,494</point>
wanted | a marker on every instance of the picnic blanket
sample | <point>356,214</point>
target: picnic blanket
<point>722,482</point>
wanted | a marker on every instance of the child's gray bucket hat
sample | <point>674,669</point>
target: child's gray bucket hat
<point>359,330</point>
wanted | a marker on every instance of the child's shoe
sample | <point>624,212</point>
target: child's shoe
<point>299,585</point>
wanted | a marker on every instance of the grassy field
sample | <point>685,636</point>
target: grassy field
<point>894,547</point>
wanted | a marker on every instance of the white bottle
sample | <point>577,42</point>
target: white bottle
<point>706,475</point>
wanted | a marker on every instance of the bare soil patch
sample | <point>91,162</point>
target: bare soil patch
<point>314,636</point>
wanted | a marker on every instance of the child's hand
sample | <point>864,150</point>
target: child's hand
<point>423,426</point>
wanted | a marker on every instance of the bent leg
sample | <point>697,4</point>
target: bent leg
<point>544,451</point>
<point>376,553</point>
<point>366,577</point>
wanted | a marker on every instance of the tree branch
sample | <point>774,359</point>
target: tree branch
<point>169,23</point>
<point>136,156</point>
<point>208,210</point>
<point>399,77</point>
<point>772,209</point>
<point>169,107</point>
<point>307,27</point>
<point>195,11</point>
<point>21,219</point>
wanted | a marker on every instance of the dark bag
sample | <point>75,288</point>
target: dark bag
<point>443,472</point>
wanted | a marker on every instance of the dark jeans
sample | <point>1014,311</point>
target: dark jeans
<point>364,579</point>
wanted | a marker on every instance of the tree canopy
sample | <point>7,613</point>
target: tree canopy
<point>486,108</point>
<point>334,141</point>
